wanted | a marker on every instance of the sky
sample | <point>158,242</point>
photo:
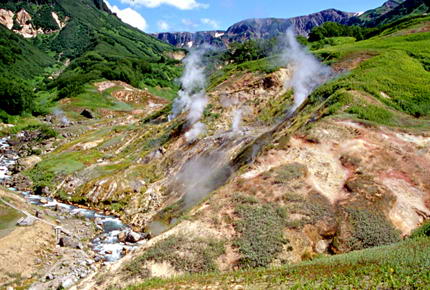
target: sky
<point>197,15</point>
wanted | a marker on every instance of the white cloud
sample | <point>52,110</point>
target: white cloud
<point>180,4</point>
<point>163,25</point>
<point>129,16</point>
<point>212,23</point>
<point>189,23</point>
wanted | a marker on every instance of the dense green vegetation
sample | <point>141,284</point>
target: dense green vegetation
<point>332,29</point>
<point>382,15</point>
<point>98,44</point>
<point>398,266</point>
<point>187,254</point>
<point>370,230</point>
<point>394,70</point>
<point>261,233</point>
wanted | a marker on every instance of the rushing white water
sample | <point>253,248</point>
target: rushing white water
<point>106,244</point>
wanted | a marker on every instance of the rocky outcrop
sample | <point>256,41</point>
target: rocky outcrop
<point>22,23</point>
<point>263,28</point>
<point>6,18</point>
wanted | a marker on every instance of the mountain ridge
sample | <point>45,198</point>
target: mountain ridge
<point>254,28</point>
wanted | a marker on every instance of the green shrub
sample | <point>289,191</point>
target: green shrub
<point>260,231</point>
<point>370,229</point>
<point>422,231</point>
<point>15,96</point>
<point>192,255</point>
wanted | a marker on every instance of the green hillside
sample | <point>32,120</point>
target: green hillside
<point>384,15</point>
<point>95,43</point>
<point>19,58</point>
<point>399,266</point>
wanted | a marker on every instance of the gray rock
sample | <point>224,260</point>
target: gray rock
<point>67,283</point>
<point>69,243</point>
<point>133,237</point>
<point>26,221</point>
<point>29,162</point>
<point>50,276</point>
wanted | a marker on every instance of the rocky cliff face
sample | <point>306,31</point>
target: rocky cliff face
<point>254,29</point>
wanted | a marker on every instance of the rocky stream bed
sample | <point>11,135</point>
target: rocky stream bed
<point>86,239</point>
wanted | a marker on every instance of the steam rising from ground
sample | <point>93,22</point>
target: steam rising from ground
<point>61,116</point>
<point>202,175</point>
<point>237,119</point>
<point>308,72</point>
<point>192,96</point>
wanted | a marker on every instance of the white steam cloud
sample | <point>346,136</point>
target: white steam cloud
<point>308,72</point>
<point>237,119</point>
<point>202,175</point>
<point>61,116</point>
<point>192,96</point>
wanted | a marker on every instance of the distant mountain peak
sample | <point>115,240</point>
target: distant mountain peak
<point>391,4</point>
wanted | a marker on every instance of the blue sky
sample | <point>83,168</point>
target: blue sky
<point>195,15</point>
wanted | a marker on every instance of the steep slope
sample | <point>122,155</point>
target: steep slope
<point>74,27</point>
<point>82,41</point>
<point>254,29</point>
<point>20,58</point>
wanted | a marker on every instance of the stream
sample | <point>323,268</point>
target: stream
<point>106,244</point>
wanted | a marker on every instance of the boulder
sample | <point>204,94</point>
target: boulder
<point>122,237</point>
<point>69,243</point>
<point>133,237</point>
<point>321,246</point>
<point>29,162</point>
<point>26,221</point>
<point>87,114</point>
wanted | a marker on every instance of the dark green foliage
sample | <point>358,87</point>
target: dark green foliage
<point>332,29</point>
<point>43,19</point>
<point>137,72</point>
<point>188,254</point>
<point>261,234</point>
<point>249,50</point>
<point>16,97</point>
<point>422,231</point>
<point>75,39</point>
<point>19,58</point>
<point>370,229</point>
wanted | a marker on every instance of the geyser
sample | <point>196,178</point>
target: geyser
<point>308,72</point>
<point>192,96</point>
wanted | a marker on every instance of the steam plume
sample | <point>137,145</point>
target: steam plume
<point>61,116</point>
<point>308,72</point>
<point>192,96</point>
<point>202,175</point>
<point>237,119</point>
